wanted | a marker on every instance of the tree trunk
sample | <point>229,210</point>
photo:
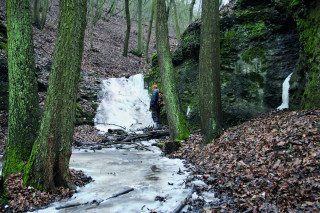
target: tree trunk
<point>40,11</point>
<point>177,125</point>
<point>209,71</point>
<point>126,41</point>
<point>44,12</point>
<point>191,10</point>
<point>23,88</point>
<point>140,42</point>
<point>48,165</point>
<point>176,23</point>
<point>36,12</point>
<point>150,30</point>
<point>91,24</point>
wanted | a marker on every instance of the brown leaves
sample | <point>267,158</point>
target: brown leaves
<point>271,163</point>
<point>25,198</point>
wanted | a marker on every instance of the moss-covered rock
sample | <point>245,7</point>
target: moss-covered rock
<point>83,117</point>
<point>259,49</point>
<point>305,82</point>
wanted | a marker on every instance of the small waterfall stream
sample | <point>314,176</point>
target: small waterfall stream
<point>285,93</point>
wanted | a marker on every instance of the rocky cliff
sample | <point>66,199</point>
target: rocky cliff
<point>259,49</point>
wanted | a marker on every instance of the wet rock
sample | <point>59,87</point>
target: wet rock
<point>96,148</point>
<point>117,131</point>
<point>171,146</point>
<point>160,198</point>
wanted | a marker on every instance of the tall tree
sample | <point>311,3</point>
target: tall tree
<point>176,22</point>
<point>40,11</point>
<point>126,41</point>
<point>23,90</point>
<point>48,165</point>
<point>150,29</point>
<point>91,24</point>
<point>191,10</point>
<point>209,71</point>
<point>177,125</point>
<point>140,41</point>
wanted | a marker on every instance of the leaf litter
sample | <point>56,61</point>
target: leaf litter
<point>268,164</point>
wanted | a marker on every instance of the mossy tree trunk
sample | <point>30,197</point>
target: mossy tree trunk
<point>40,11</point>
<point>150,30</point>
<point>48,165</point>
<point>23,89</point>
<point>177,125</point>
<point>126,40</point>
<point>209,71</point>
<point>140,41</point>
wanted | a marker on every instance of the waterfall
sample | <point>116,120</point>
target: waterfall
<point>285,93</point>
<point>125,103</point>
<point>188,110</point>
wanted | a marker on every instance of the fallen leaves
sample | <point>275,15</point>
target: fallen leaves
<point>270,163</point>
<point>23,198</point>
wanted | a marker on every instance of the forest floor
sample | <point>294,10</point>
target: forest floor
<point>268,164</point>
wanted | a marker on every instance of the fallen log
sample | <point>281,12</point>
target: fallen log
<point>185,201</point>
<point>147,136</point>
<point>95,201</point>
<point>120,193</point>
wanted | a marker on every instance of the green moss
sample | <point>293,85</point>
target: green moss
<point>136,53</point>
<point>155,60</point>
<point>184,132</point>
<point>256,77</point>
<point>95,106</point>
<point>250,54</point>
<point>309,28</point>
<point>27,179</point>
<point>4,46</point>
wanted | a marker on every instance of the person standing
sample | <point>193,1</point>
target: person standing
<point>155,108</point>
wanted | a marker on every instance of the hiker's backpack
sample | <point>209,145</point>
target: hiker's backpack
<point>160,100</point>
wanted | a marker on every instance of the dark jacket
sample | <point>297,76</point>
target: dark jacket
<point>154,100</point>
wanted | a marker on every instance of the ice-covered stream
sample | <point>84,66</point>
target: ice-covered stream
<point>115,170</point>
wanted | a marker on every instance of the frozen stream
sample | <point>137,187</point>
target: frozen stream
<point>115,170</point>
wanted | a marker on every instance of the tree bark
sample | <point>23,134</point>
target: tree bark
<point>48,165</point>
<point>23,88</point>
<point>177,125</point>
<point>140,42</point>
<point>91,24</point>
<point>191,10</point>
<point>40,11</point>
<point>150,30</point>
<point>176,22</point>
<point>126,41</point>
<point>209,71</point>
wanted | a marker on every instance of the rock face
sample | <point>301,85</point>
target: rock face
<point>4,85</point>
<point>259,49</point>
